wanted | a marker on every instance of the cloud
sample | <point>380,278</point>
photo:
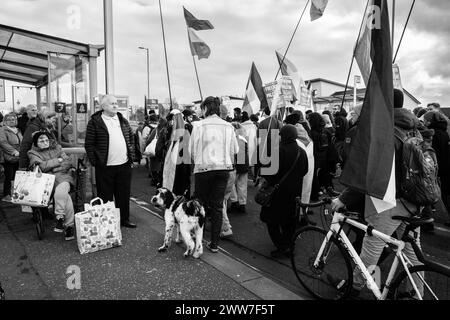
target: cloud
<point>245,31</point>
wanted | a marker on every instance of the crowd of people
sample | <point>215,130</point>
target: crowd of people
<point>213,156</point>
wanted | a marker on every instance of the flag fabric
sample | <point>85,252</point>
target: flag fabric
<point>196,24</point>
<point>255,98</point>
<point>198,47</point>
<point>289,69</point>
<point>317,8</point>
<point>370,167</point>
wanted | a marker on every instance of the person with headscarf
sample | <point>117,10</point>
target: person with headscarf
<point>280,216</point>
<point>177,169</point>
<point>305,142</point>
<point>10,140</point>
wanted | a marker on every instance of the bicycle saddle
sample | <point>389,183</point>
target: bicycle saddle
<point>414,221</point>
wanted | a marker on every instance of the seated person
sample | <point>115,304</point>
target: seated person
<point>52,160</point>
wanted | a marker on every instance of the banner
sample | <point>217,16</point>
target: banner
<point>2,90</point>
<point>396,76</point>
<point>279,93</point>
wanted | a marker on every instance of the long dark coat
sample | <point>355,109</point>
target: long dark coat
<point>282,209</point>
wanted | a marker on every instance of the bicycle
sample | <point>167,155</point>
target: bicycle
<point>322,261</point>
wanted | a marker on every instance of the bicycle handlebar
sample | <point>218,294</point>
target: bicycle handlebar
<point>322,202</point>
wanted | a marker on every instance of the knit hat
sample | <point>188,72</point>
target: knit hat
<point>398,98</point>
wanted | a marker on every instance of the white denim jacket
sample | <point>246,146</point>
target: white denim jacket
<point>213,145</point>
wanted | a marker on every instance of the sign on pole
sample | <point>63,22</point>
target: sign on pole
<point>60,107</point>
<point>397,78</point>
<point>2,90</point>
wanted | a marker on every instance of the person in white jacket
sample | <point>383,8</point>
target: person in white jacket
<point>213,146</point>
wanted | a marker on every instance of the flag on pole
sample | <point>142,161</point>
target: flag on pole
<point>194,23</point>
<point>317,8</point>
<point>255,99</point>
<point>198,47</point>
<point>370,167</point>
<point>289,69</point>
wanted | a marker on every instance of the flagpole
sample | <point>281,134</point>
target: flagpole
<point>292,38</point>
<point>195,67</point>
<point>353,56</point>
<point>393,22</point>
<point>404,29</point>
<point>165,54</point>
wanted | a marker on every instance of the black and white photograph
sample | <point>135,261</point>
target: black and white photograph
<point>224,158</point>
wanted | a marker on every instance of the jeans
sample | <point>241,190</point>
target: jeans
<point>373,246</point>
<point>230,183</point>
<point>10,173</point>
<point>210,189</point>
<point>63,204</point>
<point>114,183</point>
<point>239,191</point>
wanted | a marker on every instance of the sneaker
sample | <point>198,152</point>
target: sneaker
<point>69,235</point>
<point>234,206</point>
<point>7,198</point>
<point>59,225</point>
<point>332,192</point>
<point>212,247</point>
<point>226,233</point>
<point>241,208</point>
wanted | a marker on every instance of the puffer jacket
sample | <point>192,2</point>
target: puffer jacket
<point>9,143</point>
<point>47,160</point>
<point>97,139</point>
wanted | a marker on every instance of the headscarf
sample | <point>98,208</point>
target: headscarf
<point>327,120</point>
<point>178,125</point>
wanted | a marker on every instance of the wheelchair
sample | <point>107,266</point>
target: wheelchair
<point>77,193</point>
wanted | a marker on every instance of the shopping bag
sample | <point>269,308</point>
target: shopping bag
<point>98,227</point>
<point>32,188</point>
<point>150,150</point>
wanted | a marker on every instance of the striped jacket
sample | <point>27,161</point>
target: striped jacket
<point>97,139</point>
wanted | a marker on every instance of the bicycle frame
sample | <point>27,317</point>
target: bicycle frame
<point>336,230</point>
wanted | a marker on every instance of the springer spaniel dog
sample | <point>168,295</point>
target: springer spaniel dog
<point>188,216</point>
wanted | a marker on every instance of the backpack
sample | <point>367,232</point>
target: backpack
<point>419,182</point>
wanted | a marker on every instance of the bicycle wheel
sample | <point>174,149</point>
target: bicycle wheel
<point>435,284</point>
<point>333,277</point>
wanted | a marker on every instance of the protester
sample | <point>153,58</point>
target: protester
<point>110,148</point>
<point>44,121</point>
<point>322,156</point>
<point>238,195</point>
<point>441,145</point>
<point>10,140</point>
<point>255,119</point>
<point>213,145</point>
<point>280,216</point>
<point>268,128</point>
<point>224,114</point>
<point>177,167</point>
<point>305,142</point>
<point>51,159</point>
<point>372,247</point>
<point>251,136</point>
<point>237,114</point>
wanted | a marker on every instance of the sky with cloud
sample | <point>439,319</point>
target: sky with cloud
<point>245,31</point>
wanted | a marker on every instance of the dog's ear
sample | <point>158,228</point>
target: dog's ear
<point>168,198</point>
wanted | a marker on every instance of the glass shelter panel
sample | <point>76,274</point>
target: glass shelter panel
<point>69,96</point>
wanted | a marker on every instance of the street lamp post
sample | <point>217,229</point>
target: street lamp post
<point>148,71</point>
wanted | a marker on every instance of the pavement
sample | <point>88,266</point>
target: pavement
<point>242,270</point>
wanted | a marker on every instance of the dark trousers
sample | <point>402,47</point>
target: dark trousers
<point>114,183</point>
<point>210,189</point>
<point>10,173</point>
<point>281,234</point>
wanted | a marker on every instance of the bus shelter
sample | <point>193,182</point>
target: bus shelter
<point>64,73</point>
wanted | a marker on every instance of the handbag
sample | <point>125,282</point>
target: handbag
<point>266,191</point>
<point>32,188</point>
<point>150,150</point>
